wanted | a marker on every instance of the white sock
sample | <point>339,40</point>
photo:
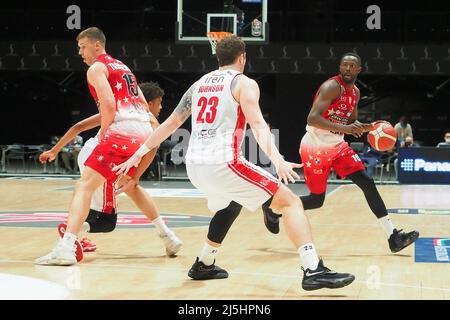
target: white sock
<point>69,239</point>
<point>387,225</point>
<point>85,228</point>
<point>161,226</point>
<point>308,256</point>
<point>208,254</point>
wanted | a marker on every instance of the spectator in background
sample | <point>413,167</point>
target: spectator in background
<point>403,130</point>
<point>446,142</point>
<point>70,154</point>
<point>371,157</point>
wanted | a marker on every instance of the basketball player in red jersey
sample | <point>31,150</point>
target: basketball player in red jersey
<point>102,215</point>
<point>334,114</point>
<point>125,125</point>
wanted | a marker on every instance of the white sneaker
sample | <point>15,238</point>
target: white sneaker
<point>61,255</point>
<point>172,243</point>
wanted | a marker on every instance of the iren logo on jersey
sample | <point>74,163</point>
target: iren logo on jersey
<point>214,79</point>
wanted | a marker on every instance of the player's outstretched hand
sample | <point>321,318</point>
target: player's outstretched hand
<point>48,155</point>
<point>126,183</point>
<point>123,168</point>
<point>286,171</point>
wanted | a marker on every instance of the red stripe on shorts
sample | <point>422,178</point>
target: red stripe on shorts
<point>254,177</point>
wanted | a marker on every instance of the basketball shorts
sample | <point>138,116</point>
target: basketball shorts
<point>113,150</point>
<point>103,199</point>
<point>318,162</point>
<point>240,181</point>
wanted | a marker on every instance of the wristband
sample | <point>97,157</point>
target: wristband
<point>142,150</point>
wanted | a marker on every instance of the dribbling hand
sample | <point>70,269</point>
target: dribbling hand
<point>123,168</point>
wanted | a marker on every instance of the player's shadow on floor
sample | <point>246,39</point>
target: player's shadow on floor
<point>120,256</point>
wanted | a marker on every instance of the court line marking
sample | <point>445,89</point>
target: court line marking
<point>260,274</point>
<point>335,190</point>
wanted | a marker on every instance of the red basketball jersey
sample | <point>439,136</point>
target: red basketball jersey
<point>132,118</point>
<point>339,111</point>
<point>122,81</point>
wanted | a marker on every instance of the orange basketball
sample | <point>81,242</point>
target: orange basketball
<point>382,137</point>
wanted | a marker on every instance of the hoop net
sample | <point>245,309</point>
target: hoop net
<point>215,37</point>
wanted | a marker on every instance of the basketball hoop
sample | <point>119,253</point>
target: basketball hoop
<point>214,37</point>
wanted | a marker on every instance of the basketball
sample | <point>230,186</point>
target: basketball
<point>382,137</point>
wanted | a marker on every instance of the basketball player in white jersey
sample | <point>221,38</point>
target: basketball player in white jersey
<point>103,214</point>
<point>221,103</point>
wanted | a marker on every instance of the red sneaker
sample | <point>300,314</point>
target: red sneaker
<point>62,229</point>
<point>85,244</point>
<point>78,251</point>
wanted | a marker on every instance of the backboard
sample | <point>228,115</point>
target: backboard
<point>244,18</point>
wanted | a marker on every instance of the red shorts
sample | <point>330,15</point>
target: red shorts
<point>318,162</point>
<point>113,150</point>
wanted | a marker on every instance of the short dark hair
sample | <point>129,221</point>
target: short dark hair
<point>228,50</point>
<point>151,90</point>
<point>93,33</point>
<point>352,54</point>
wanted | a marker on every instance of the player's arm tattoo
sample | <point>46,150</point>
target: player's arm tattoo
<point>184,107</point>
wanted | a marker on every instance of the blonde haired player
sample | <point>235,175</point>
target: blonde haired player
<point>124,126</point>
<point>102,215</point>
<point>221,103</point>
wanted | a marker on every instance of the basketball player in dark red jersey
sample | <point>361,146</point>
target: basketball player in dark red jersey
<point>334,114</point>
<point>125,125</point>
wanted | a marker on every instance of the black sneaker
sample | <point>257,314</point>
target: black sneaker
<point>400,240</point>
<point>200,271</point>
<point>323,277</point>
<point>271,220</point>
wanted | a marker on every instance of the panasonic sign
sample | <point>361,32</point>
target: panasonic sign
<point>422,164</point>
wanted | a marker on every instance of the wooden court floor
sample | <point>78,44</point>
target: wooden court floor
<point>131,264</point>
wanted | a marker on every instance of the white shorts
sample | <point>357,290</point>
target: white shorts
<point>240,181</point>
<point>103,199</point>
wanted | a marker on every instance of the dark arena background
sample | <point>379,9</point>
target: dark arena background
<point>405,51</point>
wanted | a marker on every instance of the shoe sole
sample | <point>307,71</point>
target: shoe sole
<point>56,263</point>
<point>336,285</point>
<point>413,240</point>
<point>219,276</point>
<point>174,251</point>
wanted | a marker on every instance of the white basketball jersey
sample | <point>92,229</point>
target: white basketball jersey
<point>218,124</point>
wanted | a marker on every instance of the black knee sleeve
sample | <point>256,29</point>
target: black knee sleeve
<point>313,200</point>
<point>367,185</point>
<point>105,222</point>
<point>92,216</point>
<point>222,221</point>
